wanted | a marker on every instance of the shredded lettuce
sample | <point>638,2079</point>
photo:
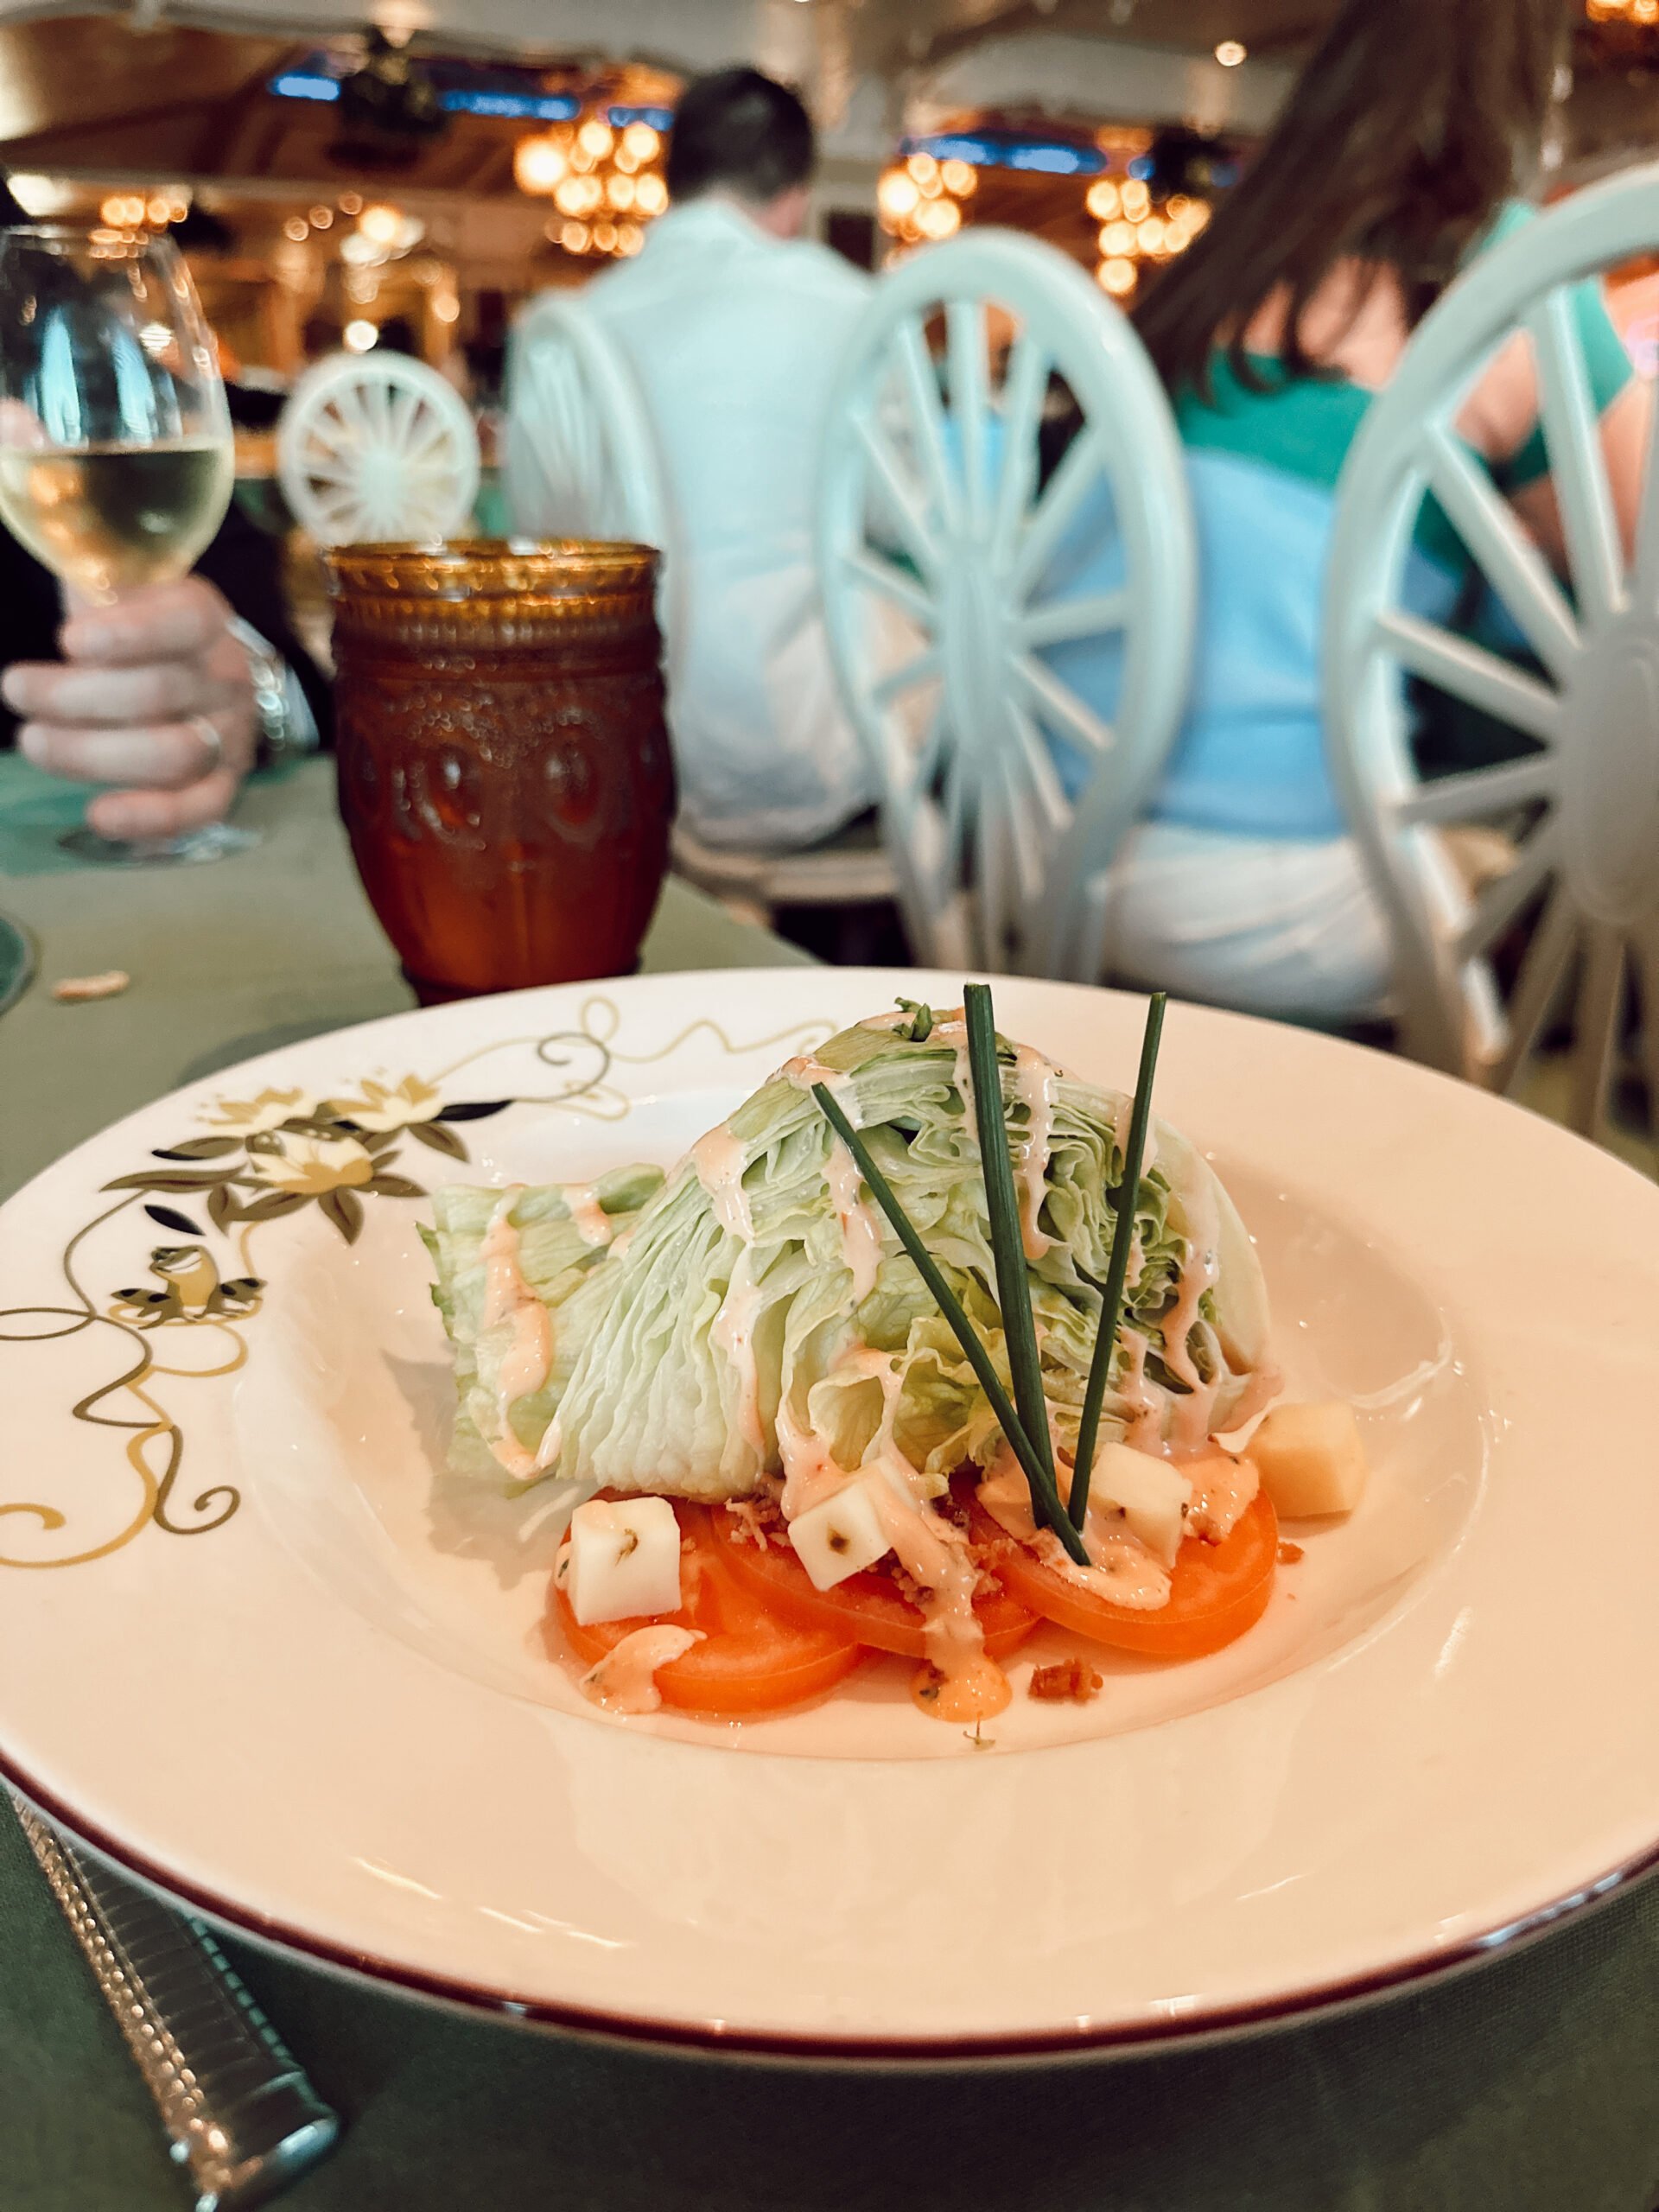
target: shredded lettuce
<point>650,1380</point>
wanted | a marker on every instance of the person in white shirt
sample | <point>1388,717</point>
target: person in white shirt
<point>735,326</point>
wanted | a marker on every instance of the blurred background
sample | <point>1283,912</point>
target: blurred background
<point>408,181</point>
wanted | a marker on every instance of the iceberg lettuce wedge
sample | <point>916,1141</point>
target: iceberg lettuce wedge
<point>759,1313</point>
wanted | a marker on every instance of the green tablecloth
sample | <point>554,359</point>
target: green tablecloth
<point>227,960</point>
<point>1531,2085</point>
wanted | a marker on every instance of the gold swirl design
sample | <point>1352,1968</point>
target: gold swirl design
<point>244,1181</point>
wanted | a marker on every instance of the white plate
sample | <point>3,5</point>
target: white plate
<point>270,1660</point>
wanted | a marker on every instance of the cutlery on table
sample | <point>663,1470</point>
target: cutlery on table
<point>242,2117</point>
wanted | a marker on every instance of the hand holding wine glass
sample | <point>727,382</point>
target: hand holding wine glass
<point>154,696</point>
<point>116,463</point>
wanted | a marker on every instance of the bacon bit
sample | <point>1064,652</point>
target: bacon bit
<point>1289,1553</point>
<point>755,1525</point>
<point>1068,1678</point>
<point>73,990</point>
<point>906,1585</point>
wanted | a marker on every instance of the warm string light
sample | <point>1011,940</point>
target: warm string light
<point>381,234</point>
<point>1132,231</point>
<point>153,210</point>
<point>606,182</point>
<point>920,199</point>
<point>381,225</point>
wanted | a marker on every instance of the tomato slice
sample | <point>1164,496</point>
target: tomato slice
<point>866,1605</point>
<point>752,1659</point>
<point>1217,1591</point>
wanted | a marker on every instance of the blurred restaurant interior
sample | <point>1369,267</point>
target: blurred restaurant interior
<point>465,121</point>
<point>438,166</point>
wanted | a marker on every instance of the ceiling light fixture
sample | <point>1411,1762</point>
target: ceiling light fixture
<point>1230,52</point>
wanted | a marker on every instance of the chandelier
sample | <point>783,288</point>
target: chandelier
<point>603,173</point>
<point>1134,230</point>
<point>919,199</point>
<point>1135,217</point>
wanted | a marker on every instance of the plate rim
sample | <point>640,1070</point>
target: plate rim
<point>477,1999</point>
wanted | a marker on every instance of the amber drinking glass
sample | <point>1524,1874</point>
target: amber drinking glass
<point>505,773</point>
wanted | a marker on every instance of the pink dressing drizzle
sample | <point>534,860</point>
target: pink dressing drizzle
<point>1144,1399</point>
<point>525,1365</point>
<point>1122,1569</point>
<point>624,1680</point>
<point>932,1551</point>
<point>1225,1490</point>
<point>1036,1088</point>
<point>733,1333</point>
<point>718,1158</point>
<point>591,1222</point>
<point>804,1072</point>
<point>860,1232</point>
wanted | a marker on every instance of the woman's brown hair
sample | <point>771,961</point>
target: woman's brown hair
<point>1412,125</point>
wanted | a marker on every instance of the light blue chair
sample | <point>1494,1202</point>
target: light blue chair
<point>1004,794</point>
<point>1577,814</point>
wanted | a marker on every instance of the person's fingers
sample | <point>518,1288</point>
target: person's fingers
<point>163,814</point>
<point>57,692</point>
<point>20,426</point>
<point>160,622</point>
<point>167,755</point>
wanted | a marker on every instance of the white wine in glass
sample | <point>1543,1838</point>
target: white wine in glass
<point>108,517</point>
<point>116,452</point>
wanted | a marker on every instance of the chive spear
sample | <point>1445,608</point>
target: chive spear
<point>1111,1300</point>
<point>1041,1481</point>
<point>1007,1246</point>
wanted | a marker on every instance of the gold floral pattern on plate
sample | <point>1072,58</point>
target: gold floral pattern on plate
<point>258,1159</point>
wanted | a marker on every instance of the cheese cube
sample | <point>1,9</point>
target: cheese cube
<point>1311,1459</point>
<point>1150,1493</point>
<point>842,1536</point>
<point>625,1560</point>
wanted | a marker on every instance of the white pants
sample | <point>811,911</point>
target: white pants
<point>1265,924</point>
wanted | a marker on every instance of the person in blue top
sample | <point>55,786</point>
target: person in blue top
<point>1403,150</point>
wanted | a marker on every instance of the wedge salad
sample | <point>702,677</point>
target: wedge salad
<point>776,1387</point>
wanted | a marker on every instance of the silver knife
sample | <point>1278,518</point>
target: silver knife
<point>241,2116</point>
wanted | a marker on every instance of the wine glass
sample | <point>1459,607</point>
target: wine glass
<point>115,453</point>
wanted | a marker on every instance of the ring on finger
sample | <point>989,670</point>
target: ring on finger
<point>207,731</point>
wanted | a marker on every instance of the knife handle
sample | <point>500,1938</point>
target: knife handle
<point>242,2118</point>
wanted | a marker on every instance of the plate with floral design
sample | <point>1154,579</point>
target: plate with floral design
<point>258,1647</point>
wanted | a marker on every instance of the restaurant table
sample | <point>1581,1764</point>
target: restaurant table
<point>1528,2084</point>
<point>226,959</point>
